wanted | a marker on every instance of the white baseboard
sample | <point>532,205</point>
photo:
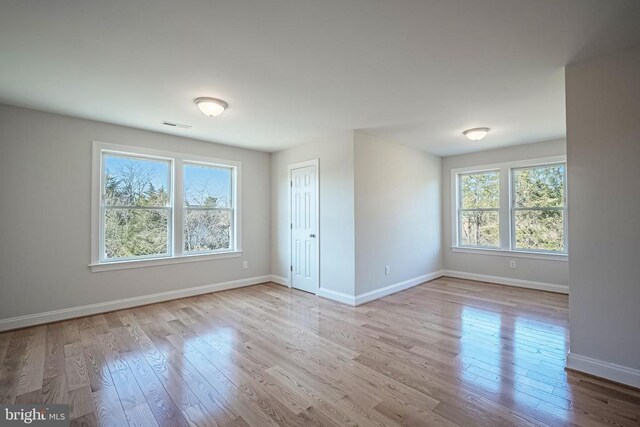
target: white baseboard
<point>610,371</point>
<point>280,280</point>
<point>322,292</point>
<point>529,284</point>
<point>336,296</point>
<point>103,307</point>
<point>396,287</point>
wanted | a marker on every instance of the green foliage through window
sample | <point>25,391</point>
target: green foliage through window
<point>133,233</point>
<point>133,187</point>
<point>539,208</point>
<point>479,209</point>
<point>208,214</point>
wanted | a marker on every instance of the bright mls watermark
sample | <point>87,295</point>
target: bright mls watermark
<point>34,415</point>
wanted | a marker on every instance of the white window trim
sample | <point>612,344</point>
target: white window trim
<point>176,240</point>
<point>506,226</point>
<point>551,256</point>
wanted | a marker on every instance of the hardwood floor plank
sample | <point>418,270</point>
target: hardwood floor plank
<point>80,402</point>
<point>70,332</point>
<point>31,397</point>
<point>172,381</point>
<point>127,387</point>
<point>238,422</point>
<point>88,420</point>
<point>5,337</point>
<point>75,366</point>
<point>363,415</point>
<point>54,350</point>
<point>9,369</point>
<point>32,369</point>
<point>162,406</point>
<point>109,411</point>
<point>124,340</point>
<point>314,417</point>
<point>113,320</point>
<point>210,399</point>
<point>197,416</point>
<point>97,367</point>
<point>406,415</point>
<point>54,389</point>
<point>140,416</point>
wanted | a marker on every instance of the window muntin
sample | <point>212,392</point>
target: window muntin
<point>135,207</point>
<point>208,208</point>
<point>538,208</point>
<point>479,209</point>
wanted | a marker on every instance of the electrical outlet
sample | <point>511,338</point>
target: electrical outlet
<point>387,270</point>
<point>512,263</point>
<point>245,265</point>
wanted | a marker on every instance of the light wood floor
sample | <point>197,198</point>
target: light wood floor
<point>444,353</point>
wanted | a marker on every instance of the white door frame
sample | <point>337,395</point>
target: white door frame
<point>290,168</point>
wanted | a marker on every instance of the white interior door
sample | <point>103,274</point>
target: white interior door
<point>304,233</point>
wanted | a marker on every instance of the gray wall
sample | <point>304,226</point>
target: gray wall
<point>553,272</point>
<point>337,247</point>
<point>45,194</point>
<point>397,211</point>
<point>603,149</point>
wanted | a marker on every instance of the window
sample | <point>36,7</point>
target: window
<point>531,194</point>
<point>135,208</point>
<point>538,208</point>
<point>479,212</point>
<point>208,206</point>
<point>152,207</point>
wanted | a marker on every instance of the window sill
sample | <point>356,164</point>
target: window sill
<point>511,254</point>
<point>142,263</point>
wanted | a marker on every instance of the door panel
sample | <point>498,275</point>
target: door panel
<point>304,257</point>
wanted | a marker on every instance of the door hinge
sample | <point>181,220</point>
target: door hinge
<point>292,226</point>
<point>291,268</point>
<point>291,182</point>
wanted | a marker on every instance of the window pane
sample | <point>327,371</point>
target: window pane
<point>540,187</point>
<point>130,233</point>
<point>132,181</point>
<point>207,230</point>
<point>540,230</point>
<point>480,228</point>
<point>207,186</point>
<point>480,190</point>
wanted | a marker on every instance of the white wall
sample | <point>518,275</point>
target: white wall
<point>337,247</point>
<point>551,272</point>
<point>603,148</point>
<point>45,212</point>
<point>397,211</point>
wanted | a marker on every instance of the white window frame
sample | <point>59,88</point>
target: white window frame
<point>176,209</point>
<point>512,213</point>
<point>507,229</point>
<point>460,209</point>
<point>232,208</point>
<point>168,207</point>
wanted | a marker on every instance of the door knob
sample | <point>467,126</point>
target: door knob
<point>313,236</point>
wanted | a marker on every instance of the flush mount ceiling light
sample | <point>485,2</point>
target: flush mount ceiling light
<point>476,134</point>
<point>211,107</point>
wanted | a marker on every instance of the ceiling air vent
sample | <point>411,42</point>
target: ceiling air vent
<point>176,125</point>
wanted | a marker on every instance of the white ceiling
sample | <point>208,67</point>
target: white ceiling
<point>416,71</point>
